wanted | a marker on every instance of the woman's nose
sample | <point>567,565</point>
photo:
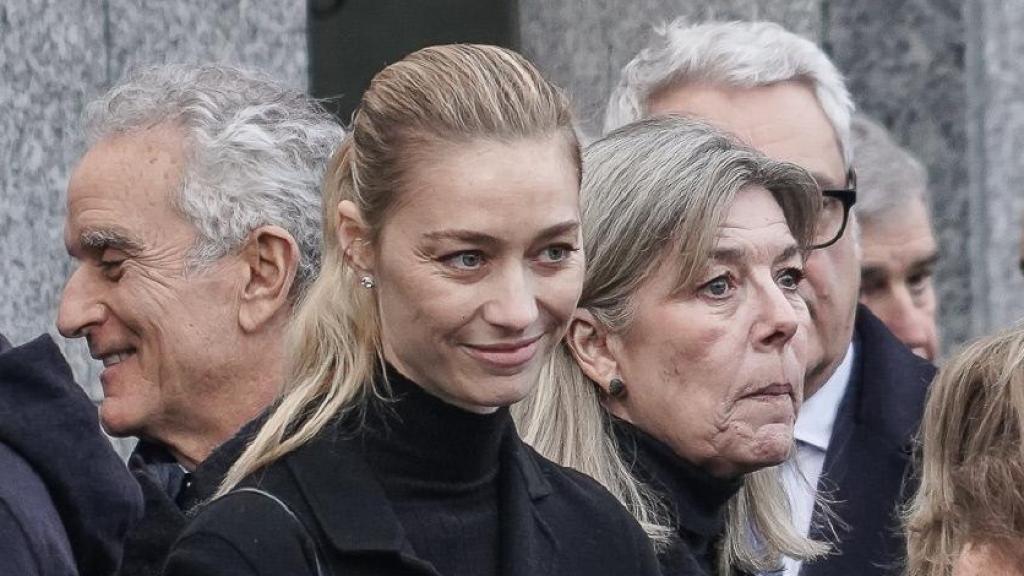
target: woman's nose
<point>777,320</point>
<point>513,306</point>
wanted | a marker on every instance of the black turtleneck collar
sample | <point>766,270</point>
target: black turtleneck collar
<point>416,437</point>
<point>697,499</point>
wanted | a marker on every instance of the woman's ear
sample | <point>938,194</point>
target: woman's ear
<point>354,237</point>
<point>588,341</point>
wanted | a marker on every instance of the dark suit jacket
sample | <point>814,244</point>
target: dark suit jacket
<point>554,522</point>
<point>869,459</point>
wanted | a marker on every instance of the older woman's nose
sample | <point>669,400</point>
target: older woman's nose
<point>80,307</point>
<point>777,320</point>
<point>514,304</point>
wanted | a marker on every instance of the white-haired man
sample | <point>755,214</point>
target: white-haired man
<point>195,217</point>
<point>898,247</point>
<point>864,389</point>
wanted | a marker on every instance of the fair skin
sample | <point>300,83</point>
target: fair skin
<point>188,357</point>
<point>714,370</point>
<point>898,254</point>
<point>982,559</point>
<point>785,122</point>
<point>478,269</point>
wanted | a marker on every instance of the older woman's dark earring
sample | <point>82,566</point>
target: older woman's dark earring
<point>617,388</point>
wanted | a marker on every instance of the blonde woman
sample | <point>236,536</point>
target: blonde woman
<point>451,268</point>
<point>682,370</point>
<point>967,518</point>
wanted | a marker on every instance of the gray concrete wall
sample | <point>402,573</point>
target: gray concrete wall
<point>55,56</point>
<point>906,66</point>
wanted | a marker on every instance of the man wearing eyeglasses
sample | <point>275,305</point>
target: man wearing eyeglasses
<point>864,390</point>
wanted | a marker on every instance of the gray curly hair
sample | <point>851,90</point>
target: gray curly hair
<point>256,152</point>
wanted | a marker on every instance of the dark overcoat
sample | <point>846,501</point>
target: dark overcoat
<point>553,521</point>
<point>868,465</point>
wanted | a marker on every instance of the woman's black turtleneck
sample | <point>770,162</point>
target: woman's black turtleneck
<point>696,500</point>
<point>439,466</point>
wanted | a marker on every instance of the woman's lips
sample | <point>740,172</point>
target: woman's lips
<point>771,391</point>
<point>504,355</point>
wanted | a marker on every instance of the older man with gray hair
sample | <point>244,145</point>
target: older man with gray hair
<point>194,217</point>
<point>898,247</point>
<point>864,389</point>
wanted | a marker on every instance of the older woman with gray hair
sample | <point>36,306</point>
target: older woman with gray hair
<point>686,354</point>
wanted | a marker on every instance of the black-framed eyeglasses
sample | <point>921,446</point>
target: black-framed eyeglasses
<point>835,212</point>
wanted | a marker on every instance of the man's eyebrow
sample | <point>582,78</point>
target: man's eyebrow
<point>925,263</point>
<point>825,182</point>
<point>103,238</point>
<point>873,273</point>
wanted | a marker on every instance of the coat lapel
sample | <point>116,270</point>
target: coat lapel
<point>528,545</point>
<point>869,455</point>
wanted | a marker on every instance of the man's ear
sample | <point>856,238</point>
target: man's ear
<point>354,237</point>
<point>588,341</point>
<point>271,257</point>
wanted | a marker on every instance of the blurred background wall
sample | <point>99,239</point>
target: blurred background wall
<point>945,76</point>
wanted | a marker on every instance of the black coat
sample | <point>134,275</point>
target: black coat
<point>66,499</point>
<point>867,468</point>
<point>169,495</point>
<point>554,521</point>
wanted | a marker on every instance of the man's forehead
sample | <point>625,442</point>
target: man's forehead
<point>783,120</point>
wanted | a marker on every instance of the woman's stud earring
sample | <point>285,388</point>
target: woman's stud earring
<point>367,282</point>
<point>617,388</point>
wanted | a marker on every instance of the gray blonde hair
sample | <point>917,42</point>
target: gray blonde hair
<point>441,94</point>
<point>735,54</point>
<point>256,152</point>
<point>654,194</point>
<point>972,457</point>
<point>888,176</point>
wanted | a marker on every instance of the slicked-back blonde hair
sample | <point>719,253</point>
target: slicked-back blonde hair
<point>972,456</point>
<point>655,194</point>
<point>439,95</point>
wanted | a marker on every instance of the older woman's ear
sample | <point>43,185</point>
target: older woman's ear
<point>588,341</point>
<point>353,237</point>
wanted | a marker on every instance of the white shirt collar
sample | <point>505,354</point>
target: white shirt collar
<point>817,416</point>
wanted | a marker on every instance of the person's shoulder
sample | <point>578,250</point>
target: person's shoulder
<point>613,539</point>
<point>30,526</point>
<point>246,531</point>
<point>585,497</point>
<point>884,357</point>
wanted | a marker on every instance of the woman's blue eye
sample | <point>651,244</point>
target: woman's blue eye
<point>556,253</point>
<point>466,260</point>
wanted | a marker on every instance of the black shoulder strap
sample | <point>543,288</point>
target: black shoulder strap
<point>311,542</point>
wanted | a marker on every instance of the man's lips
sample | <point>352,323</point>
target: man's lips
<point>505,354</point>
<point>113,357</point>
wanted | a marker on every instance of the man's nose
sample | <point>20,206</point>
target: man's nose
<point>80,307</point>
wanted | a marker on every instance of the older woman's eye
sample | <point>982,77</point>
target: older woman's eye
<point>717,287</point>
<point>468,260</point>
<point>790,278</point>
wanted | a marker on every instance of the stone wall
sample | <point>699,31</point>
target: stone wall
<point>57,55</point>
<point>944,76</point>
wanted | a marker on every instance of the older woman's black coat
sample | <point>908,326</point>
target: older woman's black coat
<point>553,521</point>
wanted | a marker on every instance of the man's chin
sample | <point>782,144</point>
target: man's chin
<point>116,421</point>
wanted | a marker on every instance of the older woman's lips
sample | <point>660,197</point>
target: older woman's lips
<point>504,355</point>
<point>772,391</point>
